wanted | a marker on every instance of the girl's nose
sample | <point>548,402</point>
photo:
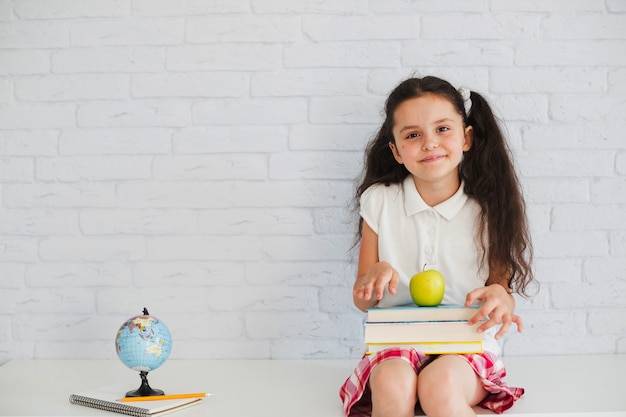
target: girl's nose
<point>429,142</point>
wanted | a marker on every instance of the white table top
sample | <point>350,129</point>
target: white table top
<point>564,386</point>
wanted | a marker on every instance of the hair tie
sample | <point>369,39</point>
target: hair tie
<point>467,101</point>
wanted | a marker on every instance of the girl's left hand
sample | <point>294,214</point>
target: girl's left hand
<point>497,307</point>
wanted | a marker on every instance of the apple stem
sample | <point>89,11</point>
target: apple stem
<point>424,269</point>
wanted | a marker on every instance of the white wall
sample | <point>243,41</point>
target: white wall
<point>197,157</point>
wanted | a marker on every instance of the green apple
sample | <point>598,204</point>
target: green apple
<point>427,288</point>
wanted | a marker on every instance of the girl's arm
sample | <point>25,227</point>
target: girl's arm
<point>372,275</point>
<point>498,305</point>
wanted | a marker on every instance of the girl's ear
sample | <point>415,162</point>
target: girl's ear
<point>468,139</point>
<point>396,155</point>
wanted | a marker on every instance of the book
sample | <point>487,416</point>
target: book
<point>432,348</point>
<point>442,312</point>
<point>107,398</point>
<point>421,331</point>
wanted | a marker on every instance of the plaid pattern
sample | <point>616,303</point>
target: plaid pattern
<point>355,394</point>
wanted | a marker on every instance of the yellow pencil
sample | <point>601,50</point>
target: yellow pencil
<point>165,397</point>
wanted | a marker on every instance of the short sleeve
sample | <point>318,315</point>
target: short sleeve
<point>371,202</point>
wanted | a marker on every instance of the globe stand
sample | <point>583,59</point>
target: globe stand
<point>144,390</point>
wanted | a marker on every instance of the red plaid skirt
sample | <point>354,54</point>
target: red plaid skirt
<point>355,394</point>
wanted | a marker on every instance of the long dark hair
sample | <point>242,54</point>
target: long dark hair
<point>487,171</point>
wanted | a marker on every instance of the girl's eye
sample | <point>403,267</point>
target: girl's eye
<point>412,135</point>
<point>443,129</point>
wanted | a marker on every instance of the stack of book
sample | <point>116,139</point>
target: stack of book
<point>431,330</point>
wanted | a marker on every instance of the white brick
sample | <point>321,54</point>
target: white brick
<point>617,81</point>
<point>76,275</point>
<point>6,92</point>
<point>72,87</point>
<point>215,326</point>
<point>308,6</point>
<point>278,325</point>
<point>421,6</point>
<point>588,26</point>
<point>298,273</point>
<point>330,137</point>
<point>137,222</point>
<point>601,270</point>
<point>108,59</point>
<point>306,82</point>
<point>38,222</point>
<point>338,110</point>
<point>115,141</point>
<point>537,80</point>
<point>59,195</point>
<point>235,57</point>
<point>567,163</point>
<point>584,108</point>
<point>187,7</point>
<point>551,190</point>
<point>518,107</point>
<point>239,221</point>
<point>127,32</point>
<point>231,139</point>
<point>335,220</point>
<point>580,53</point>
<point>28,142</point>
<point>34,34</point>
<point>588,217</point>
<point>571,244</point>
<point>608,321</point>
<point>262,298</point>
<point>373,54</point>
<point>93,168</point>
<point>12,277</point>
<point>167,113</point>
<point>441,53</point>
<point>38,116</point>
<point>314,165</point>
<point>175,194</point>
<point>617,241</point>
<point>249,28</point>
<point>49,300</point>
<point>610,295</point>
<point>527,344</point>
<point>616,5</point>
<point>359,28</point>
<point>589,135</point>
<point>66,9</point>
<point>496,26</point>
<point>92,249</point>
<point>124,301</point>
<point>250,111</point>
<point>603,191</point>
<point>188,274</point>
<point>296,248</point>
<point>214,84</point>
<point>292,194</point>
<point>16,169</point>
<point>558,270</point>
<point>213,248</point>
<point>210,167</point>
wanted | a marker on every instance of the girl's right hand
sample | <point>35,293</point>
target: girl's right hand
<point>370,288</point>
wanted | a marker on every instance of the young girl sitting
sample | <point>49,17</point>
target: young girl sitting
<point>439,189</point>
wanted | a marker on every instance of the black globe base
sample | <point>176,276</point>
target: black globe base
<point>144,390</point>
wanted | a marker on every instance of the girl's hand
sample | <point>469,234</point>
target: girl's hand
<point>497,306</point>
<point>370,288</point>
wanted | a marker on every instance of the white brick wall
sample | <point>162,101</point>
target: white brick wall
<point>198,157</point>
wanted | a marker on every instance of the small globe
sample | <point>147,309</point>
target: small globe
<point>143,343</point>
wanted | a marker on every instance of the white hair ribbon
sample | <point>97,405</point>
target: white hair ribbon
<point>467,101</point>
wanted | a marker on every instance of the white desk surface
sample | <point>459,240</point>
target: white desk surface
<point>564,386</point>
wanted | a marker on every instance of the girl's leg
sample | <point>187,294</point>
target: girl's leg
<point>449,387</point>
<point>393,384</point>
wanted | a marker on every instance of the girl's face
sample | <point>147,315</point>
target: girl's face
<point>430,140</point>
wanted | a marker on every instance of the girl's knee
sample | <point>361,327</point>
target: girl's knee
<point>393,385</point>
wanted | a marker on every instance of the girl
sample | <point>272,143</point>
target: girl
<point>439,189</point>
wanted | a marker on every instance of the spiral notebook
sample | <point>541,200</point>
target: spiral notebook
<point>106,398</point>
